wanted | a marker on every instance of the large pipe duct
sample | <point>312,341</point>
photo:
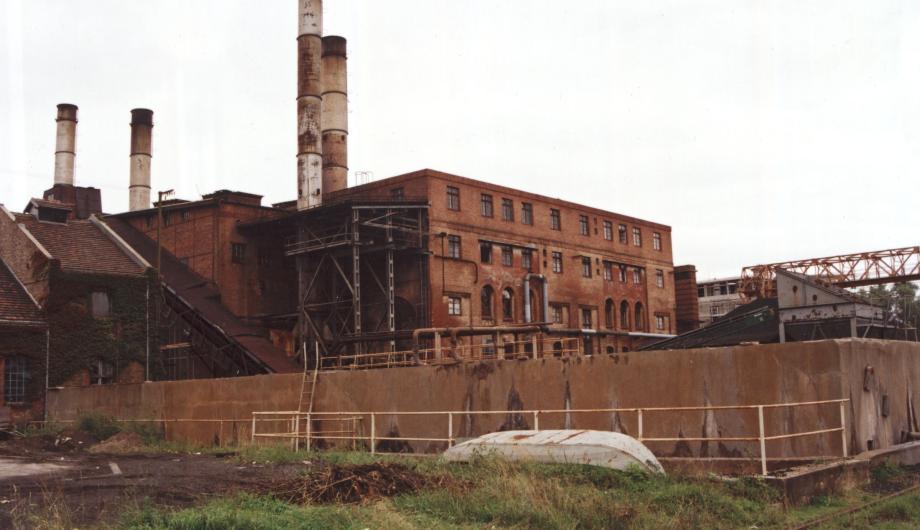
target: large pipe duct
<point>335,114</point>
<point>141,154</point>
<point>309,104</point>
<point>65,151</point>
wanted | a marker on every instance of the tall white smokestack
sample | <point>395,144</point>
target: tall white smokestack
<point>141,155</point>
<point>309,104</point>
<point>65,152</point>
<point>335,114</point>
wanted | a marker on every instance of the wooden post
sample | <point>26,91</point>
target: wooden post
<point>450,429</point>
<point>536,420</point>
<point>763,443</point>
<point>373,433</point>
<point>641,427</point>
<point>843,428</point>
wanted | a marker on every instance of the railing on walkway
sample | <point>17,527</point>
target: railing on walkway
<point>534,348</point>
<point>297,427</point>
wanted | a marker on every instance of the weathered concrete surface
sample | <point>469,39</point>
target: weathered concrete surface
<point>15,467</point>
<point>718,376</point>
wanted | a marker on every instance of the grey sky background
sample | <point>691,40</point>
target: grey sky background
<point>760,131</point>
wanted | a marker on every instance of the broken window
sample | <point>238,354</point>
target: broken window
<point>555,219</point>
<point>453,247</point>
<point>608,230</point>
<point>526,213</point>
<point>608,314</point>
<point>398,193</point>
<point>623,273</point>
<point>622,232</point>
<point>557,262</point>
<point>453,198</point>
<point>101,373</point>
<point>586,267</point>
<point>454,307</point>
<point>586,321</point>
<point>608,271</point>
<point>556,311</point>
<point>527,259</point>
<point>583,227</point>
<point>508,304</point>
<point>486,204</point>
<point>486,298</point>
<point>640,320</point>
<point>99,304</point>
<point>237,252</point>
<point>15,379</point>
<point>507,256</point>
<point>485,252</point>
<point>637,276</point>
<point>507,210</point>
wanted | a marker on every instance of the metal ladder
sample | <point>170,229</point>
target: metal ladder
<point>348,426</point>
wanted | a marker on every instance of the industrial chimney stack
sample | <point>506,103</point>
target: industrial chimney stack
<point>65,151</point>
<point>309,104</point>
<point>141,154</point>
<point>335,115</point>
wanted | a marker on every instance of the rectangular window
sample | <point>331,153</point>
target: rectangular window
<point>453,247</point>
<point>485,252</point>
<point>586,267</point>
<point>454,307</point>
<point>659,322</point>
<point>186,215</point>
<point>623,273</point>
<point>507,210</point>
<point>608,271</point>
<point>453,198</point>
<point>15,379</point>
<point>237,252</point>
<point>608,230</point>
<point>555,220</point>
<point>398,193</point>
<point>622,232</point>
<point>526,213</point>
<point>659,278</point>
<point>586,321</point>
<point>556,311</point>
<point>637,276</point>
<point>715,310</point>
<point>486,205</point>
<point>507,256</point>
<point>656,240</point>
<point>557,262</point>
<point>583,227</point>
<point>100,304</point>
<point>527,260</point>
<point>165,218</point>
<point>637,236</point>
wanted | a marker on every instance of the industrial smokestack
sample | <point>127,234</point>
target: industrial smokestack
<point>309,104</point>
<point>141,154</point>
<point>65,151</point>
<point>335,115</point>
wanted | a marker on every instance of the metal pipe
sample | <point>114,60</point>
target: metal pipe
<point>65,151</point>
<point>141,155</point>
<point>456,332</point>
<point>335,114</point>
<point>309,104</point>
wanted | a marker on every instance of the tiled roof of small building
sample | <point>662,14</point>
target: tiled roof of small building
<point>81,247</point>
<point>16,306</point>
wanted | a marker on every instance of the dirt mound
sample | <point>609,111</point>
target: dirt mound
<point>67,441</point>
<point>351,484</point>
<point>123,442</point>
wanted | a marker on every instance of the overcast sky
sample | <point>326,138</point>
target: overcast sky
<point>760,131</point>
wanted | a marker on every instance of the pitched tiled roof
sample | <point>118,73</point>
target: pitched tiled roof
<point>81,247</point>
<point>16,306</point>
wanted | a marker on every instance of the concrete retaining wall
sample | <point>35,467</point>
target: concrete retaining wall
<point>710,376</point>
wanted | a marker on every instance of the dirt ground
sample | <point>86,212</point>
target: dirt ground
<point>97,487</point>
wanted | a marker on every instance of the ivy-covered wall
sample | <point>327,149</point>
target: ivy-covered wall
<point>78,339</point>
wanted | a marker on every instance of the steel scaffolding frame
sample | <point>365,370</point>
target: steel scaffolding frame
<point>341,251</point>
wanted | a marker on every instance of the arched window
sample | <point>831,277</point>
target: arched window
<point>608,314</point>
<point>640,321</point>
<point>624,315</point>
<point>487,295</point>
<point>508,304</point>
